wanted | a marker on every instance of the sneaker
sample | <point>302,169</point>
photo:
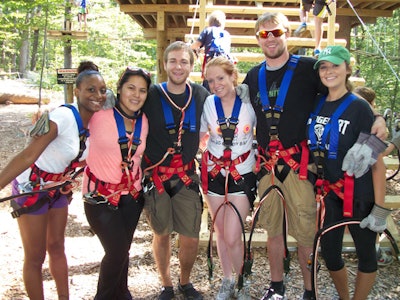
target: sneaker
<point>167,293</point>
<point>226,290</point>
<point>243,294</point>
<point>308,295</point>
<point>316,53</point>
<point>300,29</point>
<point>189,292</point>
<point>384,259</point>
<point>271,294</point>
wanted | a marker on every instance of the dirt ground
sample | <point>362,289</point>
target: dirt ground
<point>84,251</point>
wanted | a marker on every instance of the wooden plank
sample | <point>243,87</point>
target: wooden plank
<point>259,239</point>
<point>251,24</point>
<point>391,162</point>
<point>392,201</point>
<point>291,41</point>
<point>249,10</point>
<point>67,34</point>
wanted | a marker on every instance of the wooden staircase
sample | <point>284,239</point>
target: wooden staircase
<point>246,36</point>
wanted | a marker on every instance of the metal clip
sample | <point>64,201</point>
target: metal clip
<point>94,198</point>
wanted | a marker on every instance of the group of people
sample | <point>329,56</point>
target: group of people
<point>142,157</point>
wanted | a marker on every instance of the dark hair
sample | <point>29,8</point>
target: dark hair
<point>84,74</point>
<point>366,92</point>
<point>133,71</point>
<point>87,65</point>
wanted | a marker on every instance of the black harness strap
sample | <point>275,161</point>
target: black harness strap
<point>249,259</point>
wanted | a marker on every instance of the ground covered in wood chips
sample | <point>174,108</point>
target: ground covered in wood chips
<point>84,251</point>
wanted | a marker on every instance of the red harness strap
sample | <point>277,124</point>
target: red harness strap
<point>112,191</point>
<point>164,173</point>
<point>37,174</point>
<point>222,162</point>
<point>343,188</point>
<point>277,151</point>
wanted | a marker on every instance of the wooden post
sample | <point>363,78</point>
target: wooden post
<point>161,45</point>
<point>331,24</point>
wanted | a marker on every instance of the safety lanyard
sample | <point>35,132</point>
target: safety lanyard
<point>273,113</point>
<point>188,113</point>
<point>331,128</point>
<point>228,125</point>
<point>128,146</point>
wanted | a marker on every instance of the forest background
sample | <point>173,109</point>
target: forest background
<point>116,41</point>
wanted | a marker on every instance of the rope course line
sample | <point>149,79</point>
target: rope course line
<point>374,41</point>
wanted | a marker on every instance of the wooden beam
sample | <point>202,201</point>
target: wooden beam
<point>259,239</point>
<point>291,41</point>
<point>251,24</point>
<point>154,8</point>
<point>247,10</point>
<point>67,34</point>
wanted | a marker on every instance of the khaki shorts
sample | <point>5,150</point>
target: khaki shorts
<point>181,213</point>
<point>300,206</point>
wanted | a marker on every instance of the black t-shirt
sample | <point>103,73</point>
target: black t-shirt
<point>159,139</point>
<point>358,117</point>
<point>299,102</point>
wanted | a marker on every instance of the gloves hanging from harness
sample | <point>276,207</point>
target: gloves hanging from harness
<point>242,90</point>
<point>363,154</point>
<point>376,220</point>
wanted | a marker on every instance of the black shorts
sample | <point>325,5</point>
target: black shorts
<point>217,185</point>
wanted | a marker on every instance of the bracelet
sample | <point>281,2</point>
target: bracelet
<point>377,116</point>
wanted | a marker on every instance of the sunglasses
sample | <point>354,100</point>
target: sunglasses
<point>139,71</point>
<point>267,33</point>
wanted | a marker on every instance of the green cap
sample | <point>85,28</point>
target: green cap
<point>333,54</point>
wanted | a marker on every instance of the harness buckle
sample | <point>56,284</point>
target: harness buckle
<point>25,187</point>
<point>147,183</point>
<point>273,137</point>
<point>93,198</point>
<point>177,147</point>
<point>126,165</point>
<point>239,181</point>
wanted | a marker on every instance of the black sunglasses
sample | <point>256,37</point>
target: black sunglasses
<point>137,70</point>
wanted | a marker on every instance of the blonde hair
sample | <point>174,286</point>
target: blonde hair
<point>274,18</point>
<point>224,63</point>
<point>217,18</point>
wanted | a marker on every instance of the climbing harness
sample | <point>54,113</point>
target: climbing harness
<point>61,183</point>
<point>228,128</point>
<point>321,232</point>
<point>267,159</point>
<point>275,148</point>
<point>160,175</point>
<point>344,187</point>
<point>108,193</point>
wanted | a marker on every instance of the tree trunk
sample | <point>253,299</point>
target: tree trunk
<point>35,47</point>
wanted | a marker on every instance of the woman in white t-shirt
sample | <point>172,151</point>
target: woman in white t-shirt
<point>229,121</point>
<point>50,159</point>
